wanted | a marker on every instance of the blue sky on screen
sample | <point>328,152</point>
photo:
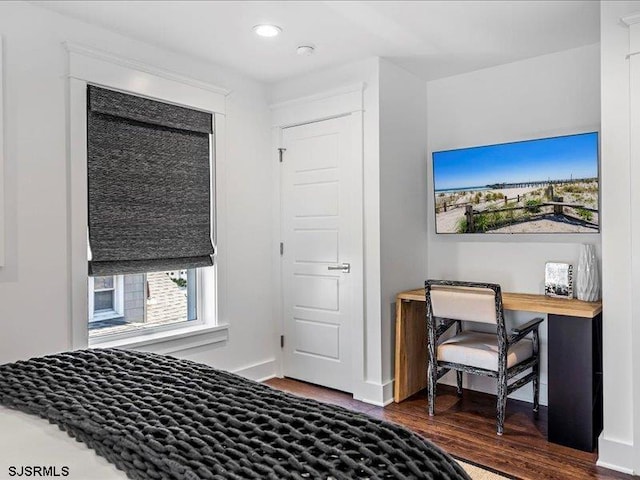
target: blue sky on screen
<point>558,158</point>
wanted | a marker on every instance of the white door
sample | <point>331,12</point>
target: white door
<point>321,221</point>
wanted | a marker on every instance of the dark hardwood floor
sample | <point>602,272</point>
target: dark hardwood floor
<point>465,427</point>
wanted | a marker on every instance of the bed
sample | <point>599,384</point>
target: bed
<point>27,440</point>
<point>158,417</point>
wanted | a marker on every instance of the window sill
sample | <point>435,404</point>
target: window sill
<point>109,315</point>
<point>168,341</point>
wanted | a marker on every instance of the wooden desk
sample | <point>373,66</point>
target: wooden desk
<point>575,359</point>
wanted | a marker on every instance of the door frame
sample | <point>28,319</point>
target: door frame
<point>342,102</point>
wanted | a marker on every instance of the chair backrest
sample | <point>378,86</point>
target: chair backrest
<point>467,301</point>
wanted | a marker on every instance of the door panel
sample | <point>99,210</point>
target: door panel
<point>316,246</point>
<point>314,291</point>
<point>323,153</point>
<point>316,200</point>
<point>318,218</point>
<point>318,338</point>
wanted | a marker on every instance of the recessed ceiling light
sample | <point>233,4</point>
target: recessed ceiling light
<point>267,30</point>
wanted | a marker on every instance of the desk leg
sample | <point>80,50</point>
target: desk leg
<point>411,349</point>
<point>575,381</point>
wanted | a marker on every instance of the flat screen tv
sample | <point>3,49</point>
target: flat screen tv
<point>547,185</point>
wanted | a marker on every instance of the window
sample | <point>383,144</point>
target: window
<point>149,212</point>
<point>105,299</point>
<point>104,289</point>
<point>88,67</point>
<point>122,304</point>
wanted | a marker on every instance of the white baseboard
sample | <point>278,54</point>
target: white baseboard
<point>615,455</point>
<point>617,468</point>
<point>259,372</point>
<point>379,394</point>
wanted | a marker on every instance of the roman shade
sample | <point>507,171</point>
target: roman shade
<point>148,184</point>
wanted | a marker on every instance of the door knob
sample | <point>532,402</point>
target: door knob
<point>345,267</point>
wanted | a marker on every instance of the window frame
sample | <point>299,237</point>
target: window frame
<point>89,66</point>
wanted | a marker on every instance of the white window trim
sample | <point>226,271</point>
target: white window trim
<point>171,341</point>
<point>88,66</point>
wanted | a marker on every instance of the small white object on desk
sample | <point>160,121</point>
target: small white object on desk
<point>588,277</point>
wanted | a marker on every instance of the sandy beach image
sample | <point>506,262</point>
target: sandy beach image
<point>524,210</point>
<point>540,186</point>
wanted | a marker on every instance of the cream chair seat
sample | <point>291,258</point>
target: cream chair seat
<point>481,350</point>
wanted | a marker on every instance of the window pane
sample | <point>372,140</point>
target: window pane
<point>101,283</point>
<point>192,294</point>
<point>146,301</point>
<point>166,297</point>
<point>103,301</point>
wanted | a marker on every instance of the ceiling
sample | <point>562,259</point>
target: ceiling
<point>432,39</point>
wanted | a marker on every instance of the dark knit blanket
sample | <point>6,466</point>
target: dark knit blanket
<point>158,417</point>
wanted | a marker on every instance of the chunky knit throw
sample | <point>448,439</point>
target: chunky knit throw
<point>158,417</point>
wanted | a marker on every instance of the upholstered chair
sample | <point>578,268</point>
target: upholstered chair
<point>500,355</point>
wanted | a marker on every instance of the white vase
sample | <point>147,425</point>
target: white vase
<point>588,276</point>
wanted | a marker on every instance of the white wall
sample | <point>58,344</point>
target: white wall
<point>544,96</point>
<point>403,195</point>
<point>34,295</point>
<point>621,369</point>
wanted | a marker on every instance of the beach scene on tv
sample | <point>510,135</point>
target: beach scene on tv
<point>547,185</point>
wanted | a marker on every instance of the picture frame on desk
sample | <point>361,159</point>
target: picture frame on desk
<point>558,280</point>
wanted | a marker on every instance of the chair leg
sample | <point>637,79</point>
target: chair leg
<point>502,402</point>
<point>536,378</point>
<point>536,390</point>
<point>431,388</point>
<point>459,380</point>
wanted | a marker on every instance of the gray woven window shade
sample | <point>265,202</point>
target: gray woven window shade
<point>148,183</point>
